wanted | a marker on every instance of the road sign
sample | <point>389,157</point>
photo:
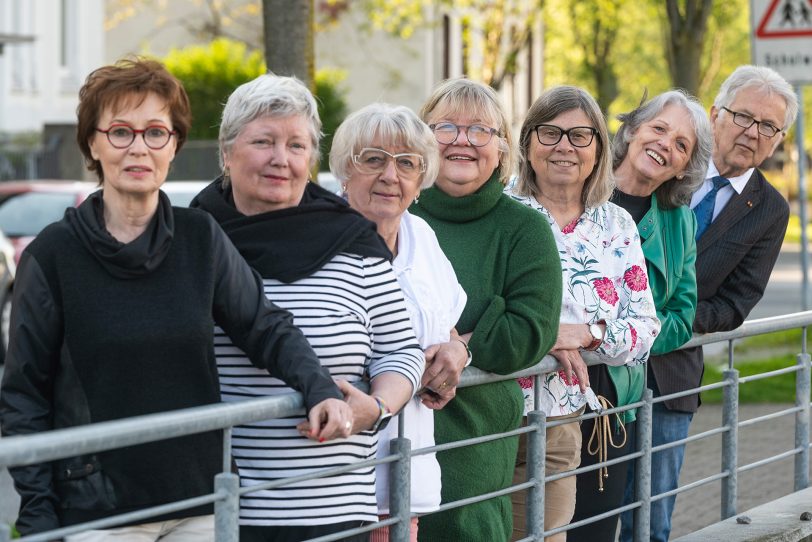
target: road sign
<point>782,37</point>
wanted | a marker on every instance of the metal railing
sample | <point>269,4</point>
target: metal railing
<point>63,443</point>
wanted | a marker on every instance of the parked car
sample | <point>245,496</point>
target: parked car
<point>26,207</point>
<point>8,269</point>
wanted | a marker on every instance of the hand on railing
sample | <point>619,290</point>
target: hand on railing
<point>330,419</point>
<point>444,365</point>
<point>573,365</point>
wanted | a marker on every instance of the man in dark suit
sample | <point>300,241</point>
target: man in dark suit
<point>741,221</point>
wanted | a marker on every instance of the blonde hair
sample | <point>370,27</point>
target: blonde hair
<point>462,97</point>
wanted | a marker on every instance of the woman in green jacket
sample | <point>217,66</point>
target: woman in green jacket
<point>660,156</point>
<point>506,260</point>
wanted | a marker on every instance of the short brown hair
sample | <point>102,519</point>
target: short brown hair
<point>119,84</point>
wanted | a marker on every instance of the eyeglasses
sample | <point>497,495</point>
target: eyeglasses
<point>122,136</point>
<point>578,136</point>
<point>448,132</point>
<point>744,120</point>
<point>371,161</point>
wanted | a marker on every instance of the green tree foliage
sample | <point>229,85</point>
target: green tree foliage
<point>211,72</point>
<point>493,31</point>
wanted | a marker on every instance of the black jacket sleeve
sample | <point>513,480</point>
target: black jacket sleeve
<point>262,330</point>
<point>744,286</point>
<point>26,397</point>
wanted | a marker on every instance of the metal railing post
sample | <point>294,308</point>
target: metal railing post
<point>227,510</point>
<point>536,452</point>
<point>400,489</point>
<point>730,439</point>
<point>802,423</point>
<point>642,474</point>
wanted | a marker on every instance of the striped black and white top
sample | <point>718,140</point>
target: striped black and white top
<point>353,314</point>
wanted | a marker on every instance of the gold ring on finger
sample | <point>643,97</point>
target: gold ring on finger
<point>444,385</point>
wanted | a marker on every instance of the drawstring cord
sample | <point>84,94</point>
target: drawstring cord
<point>602,438</point>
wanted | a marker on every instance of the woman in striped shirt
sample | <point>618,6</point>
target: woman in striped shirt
<point>325,264</point>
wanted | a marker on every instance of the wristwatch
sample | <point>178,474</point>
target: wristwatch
<point>384,416</point>
<point>597,336</point>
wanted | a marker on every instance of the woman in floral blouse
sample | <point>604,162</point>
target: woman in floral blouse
<point>565,174</point>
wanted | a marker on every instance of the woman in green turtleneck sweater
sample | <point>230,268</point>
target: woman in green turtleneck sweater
<point>506,259</point>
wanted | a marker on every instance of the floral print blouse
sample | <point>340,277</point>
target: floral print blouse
<point>605,279</point>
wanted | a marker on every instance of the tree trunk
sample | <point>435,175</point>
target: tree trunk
<point>289,38</point>
<point>685,41</point>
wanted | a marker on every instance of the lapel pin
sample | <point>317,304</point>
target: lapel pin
<point>749,203</point>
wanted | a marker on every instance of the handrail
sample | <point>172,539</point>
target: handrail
<point>51,445</point>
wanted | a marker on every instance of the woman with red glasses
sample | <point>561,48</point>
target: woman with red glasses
<point>112,318</point>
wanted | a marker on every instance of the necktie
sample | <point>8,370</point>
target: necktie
<point>704,209</point>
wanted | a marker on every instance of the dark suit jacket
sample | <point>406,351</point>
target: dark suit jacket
<point>735,257</point>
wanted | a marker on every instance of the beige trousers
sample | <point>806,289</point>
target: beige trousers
<point>563,454</point>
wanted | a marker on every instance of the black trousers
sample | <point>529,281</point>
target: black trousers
<point>589,500</point>
<point>299,533</point>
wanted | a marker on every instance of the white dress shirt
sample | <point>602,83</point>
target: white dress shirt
<point>725,193</point>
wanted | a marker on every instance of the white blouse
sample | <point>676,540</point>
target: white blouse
<point>434,300</point>
<point>605,279</point>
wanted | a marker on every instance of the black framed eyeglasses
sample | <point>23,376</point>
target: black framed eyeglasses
<point>578,136</point>
<point>478,135</point>
<point>743,120</point>
<point>122,136</point>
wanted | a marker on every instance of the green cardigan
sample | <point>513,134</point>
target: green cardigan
<point>667,236</point>
<point>506,259</point>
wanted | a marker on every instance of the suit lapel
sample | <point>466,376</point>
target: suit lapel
<point>739,206</point>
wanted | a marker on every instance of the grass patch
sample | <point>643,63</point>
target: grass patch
<point>756,355</point>
<point>776,389</point>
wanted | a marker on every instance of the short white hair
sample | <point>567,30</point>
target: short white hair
<point>762,78</point>
<point>269,95</point>
<point>386,125</point>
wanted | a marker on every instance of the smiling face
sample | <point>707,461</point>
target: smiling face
<point>464,168</point>
<point>269,164</point>
<point>737,149</point>
<point>660,149</point>
<point>382,197</point>
<point>563,165</point>
<point>136,169</point>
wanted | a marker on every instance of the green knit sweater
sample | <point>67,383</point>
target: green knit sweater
<point>506,259</point>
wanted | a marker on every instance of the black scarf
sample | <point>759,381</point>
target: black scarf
<point>293,243</point>
<point>139,257</point>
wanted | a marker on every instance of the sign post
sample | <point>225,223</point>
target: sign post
<point>781,39</point>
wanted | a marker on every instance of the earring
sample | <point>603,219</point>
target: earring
<point>417,199</point>
<point>344,188</point>
<point>226,175</point>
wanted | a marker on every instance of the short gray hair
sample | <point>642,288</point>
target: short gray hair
<point>269,95</point>
<point>673,192</point>
<point>599,184</point>
<point>385,125</point>
<point>466,97</point>
<point>759,77</point>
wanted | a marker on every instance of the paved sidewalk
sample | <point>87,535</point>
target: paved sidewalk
<point>700,507</point>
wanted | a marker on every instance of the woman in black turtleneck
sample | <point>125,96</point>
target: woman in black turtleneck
<point>660,156</point>
<point>112,318</point>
